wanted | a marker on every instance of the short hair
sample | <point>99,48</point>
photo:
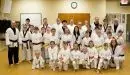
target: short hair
<point>109,32</point>
<point>120,31</point>
<point>27,19</point>
<point>36,28</point>
<point>105,44</point>
<point>97,28</point>
<point>52,42</point>
<point>64,21</point>
<point>53,29</point>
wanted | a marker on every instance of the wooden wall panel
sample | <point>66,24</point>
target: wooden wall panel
<point>76,16</point>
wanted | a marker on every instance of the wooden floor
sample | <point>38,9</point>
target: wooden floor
<point>25,68</point>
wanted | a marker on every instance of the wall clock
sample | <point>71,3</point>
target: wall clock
<point>74,5</point>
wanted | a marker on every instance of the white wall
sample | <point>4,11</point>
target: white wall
<point>51,8</point>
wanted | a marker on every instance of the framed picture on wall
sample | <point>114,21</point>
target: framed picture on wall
<point>35,18</point>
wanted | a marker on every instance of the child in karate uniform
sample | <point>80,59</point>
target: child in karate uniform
<point>75,56</point>
<point>84,58</point>
<point>104,58</point>
<point>93,55</point>
<point>36,38</point>
<point>38,61</point>
<point>53,55</point>
<point>63,57</point>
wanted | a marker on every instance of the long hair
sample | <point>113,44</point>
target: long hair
<point>76,33</point>
<point>113,47</point>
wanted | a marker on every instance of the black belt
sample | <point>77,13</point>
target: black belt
<point>13,40</point>
<point>36,43</point>
<point>122,55</point>
<point>26,43</point>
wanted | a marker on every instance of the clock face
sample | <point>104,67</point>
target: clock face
<point>74,5</point>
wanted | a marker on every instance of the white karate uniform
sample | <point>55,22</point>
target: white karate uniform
<point>9,35</point>
<point>98,41</point>
<point>63,58</point>
<point>67,38</point>
<point>36,42</point>
<point>108,40</point>
<point>120,27</point>
<point>78,39</point>
<point>104,58</point>
<point>71,28</point>
<point>93,26</point>
<point>57,27</point>
<point>85,41</point>
<point>53,57</point>
<point>120,40</point>
<point>44,27</point>
<point>118,56</point>
<point>84,28</point>
<point>93,57</point>
<point>46,39</point>
<point>37,62</point>
<point>84,59</point>
<point>75,57</point>
<point>55,38</point>
<point>24,40</point>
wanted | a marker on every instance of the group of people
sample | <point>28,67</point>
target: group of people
<point>98,46</point>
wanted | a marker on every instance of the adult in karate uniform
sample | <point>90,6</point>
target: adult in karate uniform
<point>95,23</point>
<point>27,23</point>
<point>118,54</point>
<point>53,55</point>
<point>116,26</point>
<point>62,29</point>
<point>36,38</point>
<point>84,28</point>
<point>24,41</point>
<point>45,24</point>
<point>71,26</point>
<point>57,26</point>
<point>12,37</point>
<point>76,35</point>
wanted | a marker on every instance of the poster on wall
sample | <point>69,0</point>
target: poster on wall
<point>35,18</point>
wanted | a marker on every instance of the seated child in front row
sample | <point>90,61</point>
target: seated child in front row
<point>53,55</point>
<point>93,55</point>
<point>75,56</point>
<point>38,61</point>
<point>104,58</point>
<point>63,57</point>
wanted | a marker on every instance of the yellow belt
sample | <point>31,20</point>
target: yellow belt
<point>46,45</point>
